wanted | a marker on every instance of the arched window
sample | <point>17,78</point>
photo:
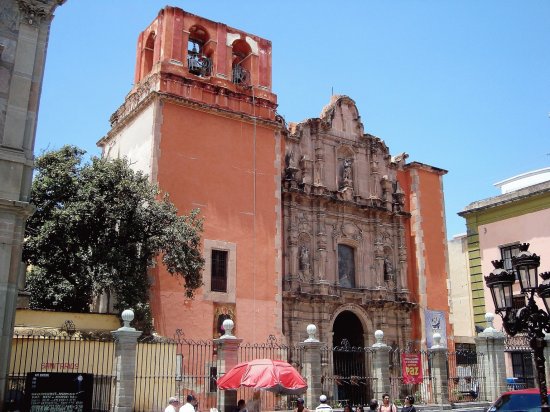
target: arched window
<point>149,54</point>
<point>346,266</point>
<point>198,62</point>
<point>241,62</point>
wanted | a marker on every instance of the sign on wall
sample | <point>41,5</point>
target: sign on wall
<point>47,392</point>
<point>411,367</point>
<point>435,322</point>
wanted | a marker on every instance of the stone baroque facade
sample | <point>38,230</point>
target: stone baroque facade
<point>340,188</point>
<point>24,30</point>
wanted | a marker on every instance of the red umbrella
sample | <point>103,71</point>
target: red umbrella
<point>272,375</point>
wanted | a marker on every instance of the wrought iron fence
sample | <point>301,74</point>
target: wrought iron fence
<point>465,371</point>
<point>175,367</point>
<point>419,384</point>
<point>272,349</point>
<point>347,374</point>
<point>57,351</point>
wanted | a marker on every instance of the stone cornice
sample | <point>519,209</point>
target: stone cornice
<point>23,209</point>
<point>149,89</point>
<point>507,198</point>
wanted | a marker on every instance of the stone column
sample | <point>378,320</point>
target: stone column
<point>439,371</point>
<point>125,355</point>
<point>312,367</point>
<point>490,347</point>
<point>381,363</point>
<point>24,34</point>
<point>228,352</point>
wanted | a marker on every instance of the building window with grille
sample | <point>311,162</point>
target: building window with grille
<point>219,271</point>
<point>518,301</point>
<point>506,253</point>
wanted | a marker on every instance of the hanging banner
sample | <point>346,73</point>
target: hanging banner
<point>411,365</point>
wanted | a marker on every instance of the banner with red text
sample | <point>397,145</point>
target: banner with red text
<point>411,365</point>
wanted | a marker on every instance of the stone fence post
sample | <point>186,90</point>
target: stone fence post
<point>490,345</point>
<point>381,364</point>
<point>312,367</point>
<point>439,371</point>
<point>125,357</point>
<point>228,352</point>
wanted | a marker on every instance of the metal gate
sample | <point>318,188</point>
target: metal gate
<point>175,367</point>
<point>53,351</point>
<point>347,374</point>
<point>465,371</point>
<point>423,391</point>
<point>276,351</point>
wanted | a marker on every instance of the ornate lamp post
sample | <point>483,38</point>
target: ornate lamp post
<point>529,318</point>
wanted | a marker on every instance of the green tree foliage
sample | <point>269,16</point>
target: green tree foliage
<point>99,226</point>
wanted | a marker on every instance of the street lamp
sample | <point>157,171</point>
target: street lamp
<point>529,318</point>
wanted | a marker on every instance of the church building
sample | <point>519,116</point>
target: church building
<point>312,222</point>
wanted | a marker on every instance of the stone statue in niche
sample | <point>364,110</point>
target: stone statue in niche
<point>346,173</point>
<point>388,269</point>
<point>290,169</point>
<point>304,258</point>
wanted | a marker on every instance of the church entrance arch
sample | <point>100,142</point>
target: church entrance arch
<point>350,360</point>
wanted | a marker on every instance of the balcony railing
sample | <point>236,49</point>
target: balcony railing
<point>199,65</point>
<point>241,75</point>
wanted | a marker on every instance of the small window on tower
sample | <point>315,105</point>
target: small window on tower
<point>219,271</point>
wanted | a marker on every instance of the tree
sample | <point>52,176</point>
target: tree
<point>99,227</point>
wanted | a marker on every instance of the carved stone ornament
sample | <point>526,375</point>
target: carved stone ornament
<point>33,11</point>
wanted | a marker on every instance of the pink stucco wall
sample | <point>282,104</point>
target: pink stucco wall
<point>532,228</point>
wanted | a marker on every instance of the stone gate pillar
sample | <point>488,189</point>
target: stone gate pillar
<point>228,353</point>
<point>312,367</point>
<point>440,372</point>
<point>125,356</point>
<point>490,347</point>
<point>381,364</point>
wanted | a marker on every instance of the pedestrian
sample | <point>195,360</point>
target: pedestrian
<point>189,406</point>
<point>323,406</point>
<point>300,406</point>
<point>360,409</point>
<point>173,405</point>
<point>373,405</point>
<point>409,407</point>
<point>241,406</point>
<point>254,404</point>
<point>347,408</point>
<point>386,406</point>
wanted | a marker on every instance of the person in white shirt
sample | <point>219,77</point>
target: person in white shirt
<point>323,406</point>
<point>189,406</point>
<point>173,405</point>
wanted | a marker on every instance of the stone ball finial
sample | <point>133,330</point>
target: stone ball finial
<point>311,331</point>
<point>379,336</point>
<point>228,326</point>
<point>489,318</point>
<point>127,317</point>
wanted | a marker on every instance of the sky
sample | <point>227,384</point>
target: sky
<point>460,85</point>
